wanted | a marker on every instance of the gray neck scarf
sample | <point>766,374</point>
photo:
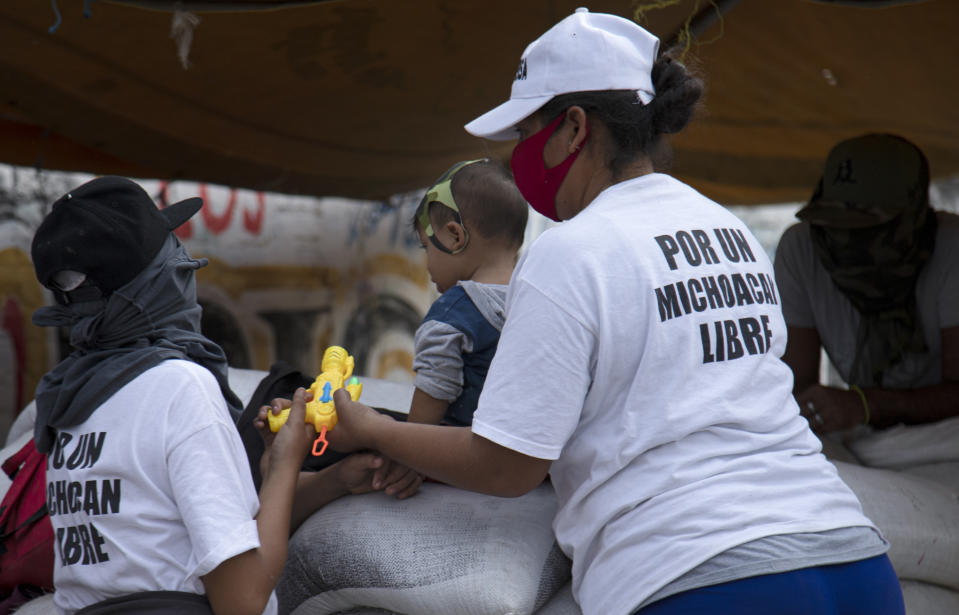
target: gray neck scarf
<point>877,269</point>
<point>153,318</point>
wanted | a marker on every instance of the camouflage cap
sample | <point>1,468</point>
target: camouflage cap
<point>868,180</point>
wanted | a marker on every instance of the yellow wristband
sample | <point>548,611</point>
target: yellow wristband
<point>865,404</point>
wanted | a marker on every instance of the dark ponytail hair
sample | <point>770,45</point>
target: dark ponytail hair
<point>635,129</point>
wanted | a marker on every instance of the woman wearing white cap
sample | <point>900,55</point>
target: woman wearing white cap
<point>639,365</point>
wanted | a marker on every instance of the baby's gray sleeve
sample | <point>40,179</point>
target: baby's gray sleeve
<point>438,359</point>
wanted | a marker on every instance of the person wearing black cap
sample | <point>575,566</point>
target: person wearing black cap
<point>870,274</point>
<point>148,485</point>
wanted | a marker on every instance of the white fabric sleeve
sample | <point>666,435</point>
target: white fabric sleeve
<point>438,350</point>
<point>791,266</point>
<point>539,377</point>
<point>213,489</point>
<point>947,253</point>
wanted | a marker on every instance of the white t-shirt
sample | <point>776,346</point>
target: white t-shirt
<point>641,353</point>
<point>811,299</point>
<point>151,492</point>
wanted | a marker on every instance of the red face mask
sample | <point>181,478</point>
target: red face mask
<point>536,183</point>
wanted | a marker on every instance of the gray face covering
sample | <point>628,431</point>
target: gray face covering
<point>873,230</point>
<point>87,308</point>
<point>152,318</point>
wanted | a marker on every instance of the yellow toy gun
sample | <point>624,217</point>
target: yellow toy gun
<point>337,369</point>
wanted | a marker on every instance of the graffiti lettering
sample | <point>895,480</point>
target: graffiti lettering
<point>253,222</point>
<point>215,223</point>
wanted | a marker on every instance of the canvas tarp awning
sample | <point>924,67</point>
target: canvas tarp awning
<point>365,98</point>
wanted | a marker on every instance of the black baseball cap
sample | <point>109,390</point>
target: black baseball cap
<point>108,229</point>
<point>867,181</point>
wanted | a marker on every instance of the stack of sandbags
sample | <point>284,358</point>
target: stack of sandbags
<point>914,498</point>
<point>920,519</point>
<point>908,446</point>
<point>929,451</point>
<point>562,603</point>
<point>443,551</point>
<point>39,606</point>
<point>927,599</point>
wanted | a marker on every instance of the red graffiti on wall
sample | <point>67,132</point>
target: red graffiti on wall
<point>218,223</point>
<point>13,325</point>
<point>214,223</point>
<point>253,222</point>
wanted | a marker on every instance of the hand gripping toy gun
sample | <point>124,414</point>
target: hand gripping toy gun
<point>337,369</point>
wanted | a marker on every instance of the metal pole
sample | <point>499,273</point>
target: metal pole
<point>703,20</point>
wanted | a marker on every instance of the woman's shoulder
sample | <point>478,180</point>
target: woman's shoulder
<point>651,188</point>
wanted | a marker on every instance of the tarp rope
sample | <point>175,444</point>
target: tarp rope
<point>182,26</point>
<point>684,38</point>
<point>87,12</point>
<point>56,11</point>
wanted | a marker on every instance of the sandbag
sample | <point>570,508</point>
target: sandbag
<point>562,603</point>
<point>12,447</point>
<point>442,551</point>
<point>903,446</point>
<point>39,606</point>
<point>22,428</point>
<point>943,473</point>
<point>925,599</point>
<point>919,518</point>
<point>243,382</point>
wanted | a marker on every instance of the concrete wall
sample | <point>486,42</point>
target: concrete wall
<point>288,276</point>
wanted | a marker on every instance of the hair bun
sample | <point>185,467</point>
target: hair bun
<point>677,94</point>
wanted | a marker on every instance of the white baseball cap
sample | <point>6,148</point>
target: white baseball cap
<point>584,52</point>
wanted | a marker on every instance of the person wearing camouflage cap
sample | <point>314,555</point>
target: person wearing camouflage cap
<point>871,275</point>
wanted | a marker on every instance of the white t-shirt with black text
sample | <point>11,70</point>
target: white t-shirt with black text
<point>641,352</point>
<point>151,492</point>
